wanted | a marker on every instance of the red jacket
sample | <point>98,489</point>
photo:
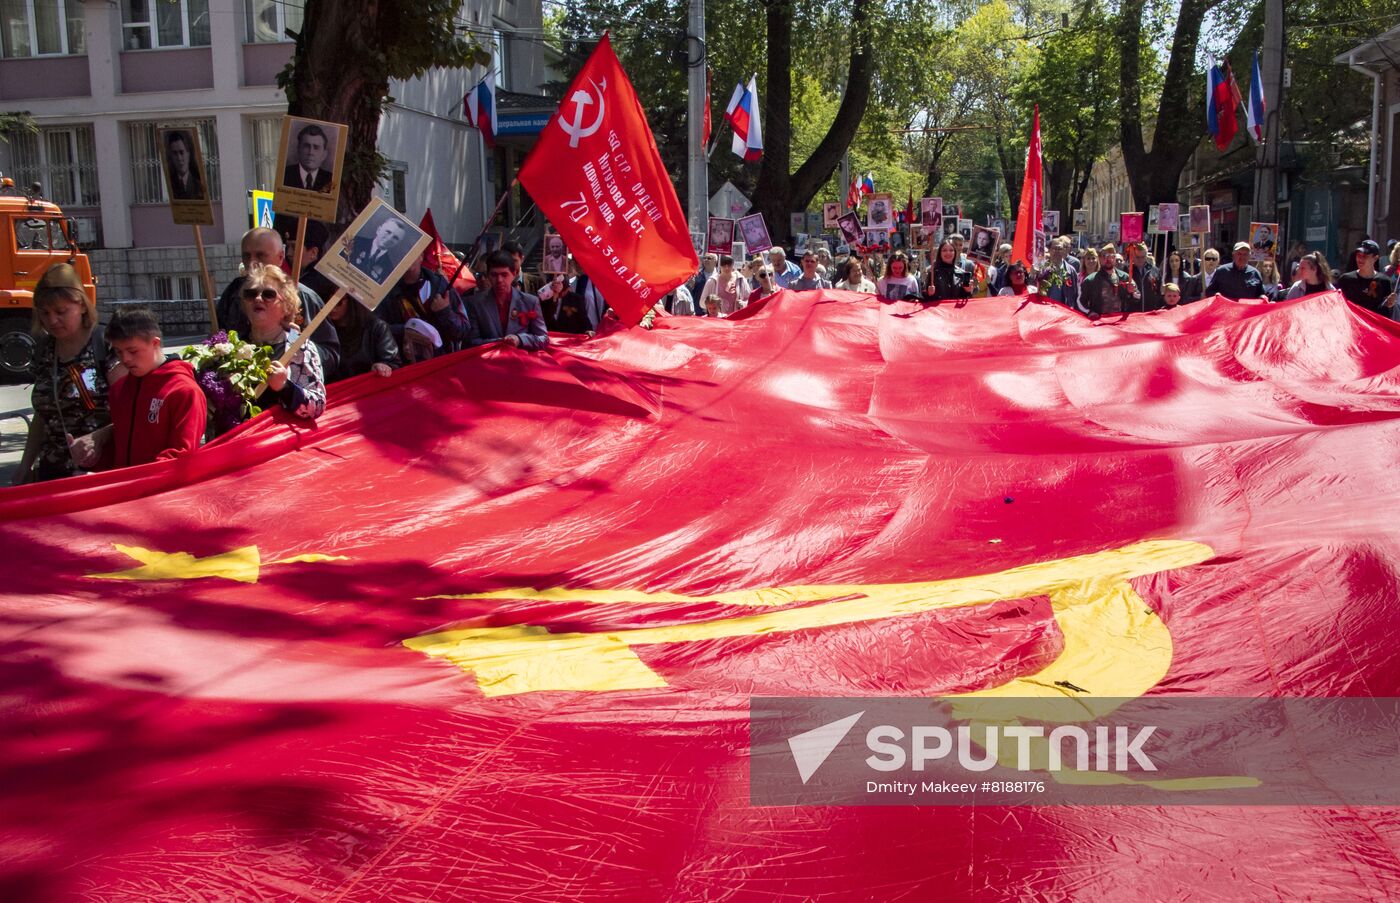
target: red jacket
<point>156,416</point>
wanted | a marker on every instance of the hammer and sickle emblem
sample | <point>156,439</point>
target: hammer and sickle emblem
<point>1115,645</point>
<point>581,100</point>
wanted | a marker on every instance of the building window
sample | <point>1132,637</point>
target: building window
<point>502,60</point>
<point>40,28</point>
<point>173,287</point>
<point>267,133</point>
<point>63,160</point>
<point>149,24</point>
<point>148,182</point>
<point>394,186</point>
<point>269,20</point>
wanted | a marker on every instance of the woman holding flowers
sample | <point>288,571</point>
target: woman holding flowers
<point>271,303</point>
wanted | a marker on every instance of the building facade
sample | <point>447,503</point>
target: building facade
<point>98,79</point>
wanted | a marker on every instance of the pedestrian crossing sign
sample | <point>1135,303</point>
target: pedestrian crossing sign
<point>260,209</point>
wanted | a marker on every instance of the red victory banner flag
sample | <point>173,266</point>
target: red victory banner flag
<point>597,175</point>
<point>1030,216</point>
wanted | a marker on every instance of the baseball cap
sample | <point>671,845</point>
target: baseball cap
<point>1241,246</point>
<point>1369,247</point>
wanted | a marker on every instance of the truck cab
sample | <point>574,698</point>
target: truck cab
<point>34,235</point>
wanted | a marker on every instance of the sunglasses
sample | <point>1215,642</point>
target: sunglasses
<point>268,294</point>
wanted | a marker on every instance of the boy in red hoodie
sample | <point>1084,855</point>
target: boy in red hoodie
<point>158,410</point>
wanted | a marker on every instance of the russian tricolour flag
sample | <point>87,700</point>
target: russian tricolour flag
<point>742,114</point>
<point>1254,113</point>
<point>479,106</point>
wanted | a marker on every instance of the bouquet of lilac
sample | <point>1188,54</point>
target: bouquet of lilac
<point>229,369</point>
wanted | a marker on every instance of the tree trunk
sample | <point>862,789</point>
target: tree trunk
<point>778,192</point>
<point>1061,176</point>
<point>327,85</point>
<point>1154,175</point>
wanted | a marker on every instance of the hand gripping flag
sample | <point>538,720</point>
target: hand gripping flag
<point>596,174</point>
<point>1254,112</point>
<point>742,114</point>
<point>479,106</point>
<point>1030,216</point>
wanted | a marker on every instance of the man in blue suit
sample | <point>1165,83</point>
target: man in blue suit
<point>502,312</point>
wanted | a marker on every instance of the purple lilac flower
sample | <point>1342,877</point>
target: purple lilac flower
<point>217,338</point>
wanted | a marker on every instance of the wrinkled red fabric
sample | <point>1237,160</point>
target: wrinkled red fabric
<point>275,740</point>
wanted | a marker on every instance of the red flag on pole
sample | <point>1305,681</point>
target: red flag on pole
<point>1030,216</point>
<point>705,141</point>
<point>597,176</point>
<point>909,208</point>
<point>854,195</point>
<point>438,257</point>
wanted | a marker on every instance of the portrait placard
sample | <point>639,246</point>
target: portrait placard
<point>376,249</point>
<point>831,212</point>
<point>983,244</point>
<point>187,186</point>
<point>721,235</point>
<point>880,214</point>
<point>1263,241</point>
<point>754,229</point>
<point>310,159</point>
<point>1200,218</point>
<point>1081,220</point>
<point>556,255</point>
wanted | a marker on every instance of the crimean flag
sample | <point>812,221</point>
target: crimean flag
<point>1222,101</point>
<point>742,114</point>
<point>439,258</point>
<point>1255,110</point>
<point>479,107</point>
<point>1030,215</point>
<point>501,639</point>
<point>596,174</point>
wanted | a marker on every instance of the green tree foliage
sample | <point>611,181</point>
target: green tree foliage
<point>345,56</point>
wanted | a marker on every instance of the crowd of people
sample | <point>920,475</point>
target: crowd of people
<point>1096,282</point>
<point>112,397</point>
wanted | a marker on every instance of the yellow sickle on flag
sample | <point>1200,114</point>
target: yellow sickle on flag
<point>1115,646</point>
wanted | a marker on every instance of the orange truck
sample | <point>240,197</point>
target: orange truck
<point>34,235</point>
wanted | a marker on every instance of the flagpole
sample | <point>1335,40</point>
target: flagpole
<point>486,227</point>
<point>698,193</point>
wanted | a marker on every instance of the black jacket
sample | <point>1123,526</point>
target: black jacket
<point>404,302</point>
<point>948,282</point>
<point>374,345</point>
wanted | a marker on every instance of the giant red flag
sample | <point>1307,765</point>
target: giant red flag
<point>1030,216</point>
<point>597,175</point>
<point>491,629</point>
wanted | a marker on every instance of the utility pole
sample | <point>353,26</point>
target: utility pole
<point>699,194</point>
<point>1267,154</point>
<point>845,180</point>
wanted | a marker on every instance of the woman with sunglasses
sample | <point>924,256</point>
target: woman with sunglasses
<point>271,303</point>
<point>766,283</point>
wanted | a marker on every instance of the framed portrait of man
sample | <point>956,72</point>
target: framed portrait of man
<point>880,212</point>
<point>797,222</point>
<point>931,213</point>
<point>182,160</point>
<point>983,243</point>
<point>951,211</point>
<point>831,212</point>
<point>556,255</point>
<point>1052,222</point>
<point>1168,216</point>
<point>1199,216</point>
<point>1263,241</point>
<point>310,159</point>
<point>721,235</point>
<point>754,229</point>
<point>950,226</point>
<point>373,253</point>
<point>965,229</point>
<point>1081,220</point>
